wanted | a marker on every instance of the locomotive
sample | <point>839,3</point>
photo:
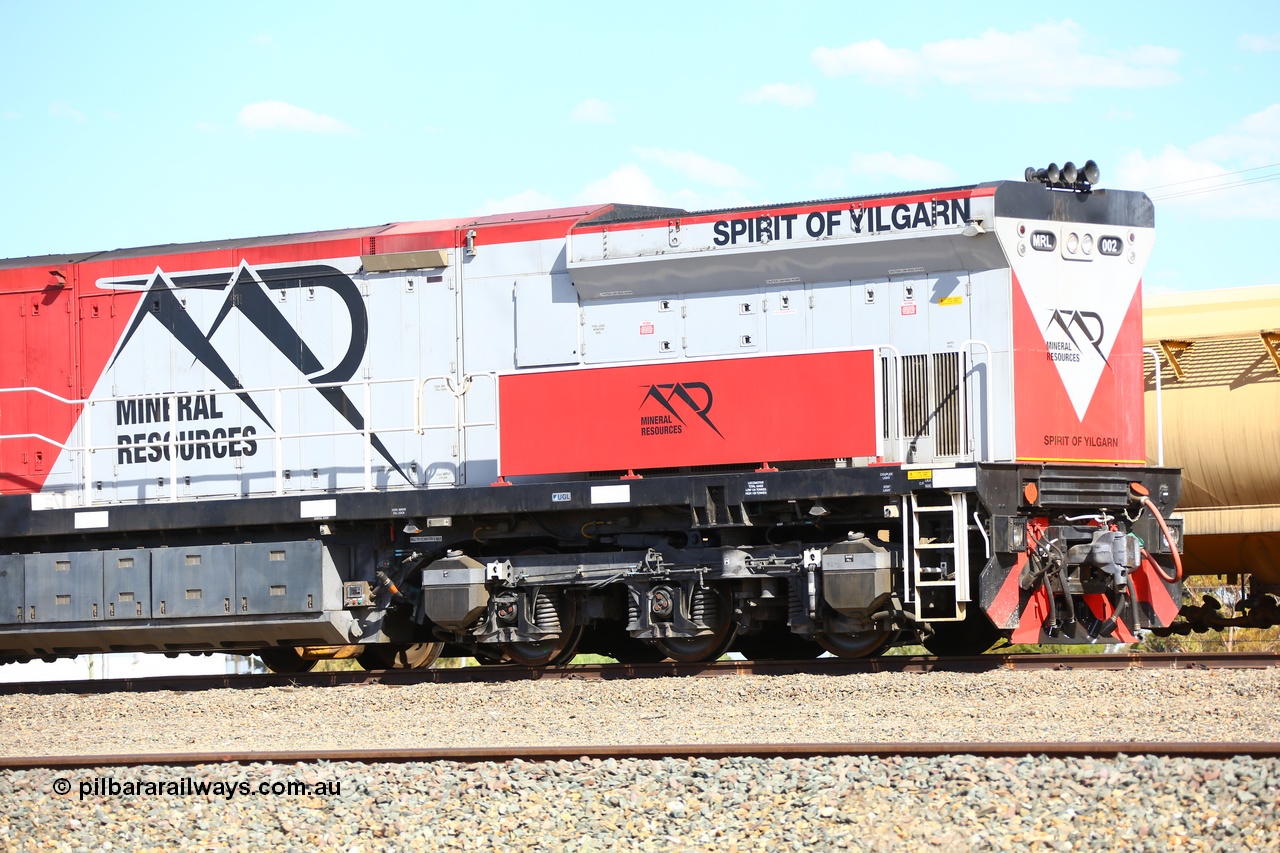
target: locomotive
<point>641,432</point>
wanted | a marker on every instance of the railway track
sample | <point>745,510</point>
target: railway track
<point>666,669</point>
<point>499,754</point>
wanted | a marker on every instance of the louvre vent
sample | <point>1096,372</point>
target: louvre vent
<point>933,408</point>
<point>915,387</point>
<point>948,403</point>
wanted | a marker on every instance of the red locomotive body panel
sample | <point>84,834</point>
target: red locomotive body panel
<point>814,406</point>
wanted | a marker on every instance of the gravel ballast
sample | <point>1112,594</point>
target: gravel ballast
<point>949,803</point>
<point>1127,705</point>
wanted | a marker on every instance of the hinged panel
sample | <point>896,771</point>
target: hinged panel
<point>13,589</point>
<point>279,577</point>
<point>724,323</point>
<point>197,581</point>
<point>631,330</point>
<point>126,584</point>
<point>63,587</point>
<point>786,311</point>
<point>547,321</point>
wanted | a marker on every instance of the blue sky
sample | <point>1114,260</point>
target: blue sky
<point>135,124</point>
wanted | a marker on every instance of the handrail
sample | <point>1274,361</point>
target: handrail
<point>419,400</point>
<point>990,417</point>
<point>464,424</point>
<point>302,386</point>
<point>1155,357</point>
<point>458,388</point>
<point>460,423</point>
<point>173,442</point>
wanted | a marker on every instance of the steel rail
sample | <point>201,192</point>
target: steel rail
<point>665,669</point>
<point>500,754</point>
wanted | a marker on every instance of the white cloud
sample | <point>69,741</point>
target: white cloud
<point>1227,175</point>
<point>277,115</point>
<point>696,167</point>
<point>1049,62</point>
<point>65,110</point>
<point>1259,44</point>
<point>526,200</point>
<point>12,115</point>
<point>630,184</point>
<point>264,40</point>
<point>1255,141</point>
<point>626,185</point>
<point>592,111</point>
<point>907,167</point>
<point>783,94</point>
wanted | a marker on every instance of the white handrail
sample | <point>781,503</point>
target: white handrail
<point>990,417</point>
<point>368,438</point>
<point>419,402</point>
<point>173,447</point>
<point>278,446</point>
<point>464,424</point>
<point>459,423</point>
<point>40,437</point>
<point>173,442</point>
<point>87,497</point>
<point>302,386</point>
<point>1155,357</point>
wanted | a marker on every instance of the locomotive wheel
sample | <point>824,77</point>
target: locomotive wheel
<point>570,649</point>
<point>560,649</point>
<point>861,645</point>
<point>285,659</point>
<point>412,656</point>
<point>709,646</point>
<point>535,654</point>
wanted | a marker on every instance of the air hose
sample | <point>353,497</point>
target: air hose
<point>1168,538</point>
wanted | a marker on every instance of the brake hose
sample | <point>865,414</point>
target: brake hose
<point>1168,538</point>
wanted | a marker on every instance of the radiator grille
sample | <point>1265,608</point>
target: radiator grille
<point>948,403</point>
<point>933,404</point>
<point>915,385</point>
